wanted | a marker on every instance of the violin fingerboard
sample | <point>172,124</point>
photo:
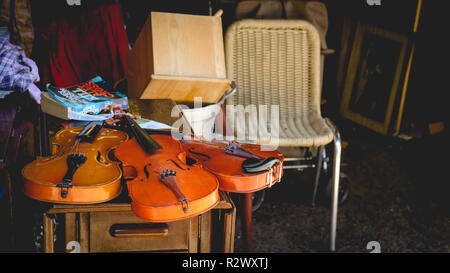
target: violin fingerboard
<point>89,133</point>
<point>146,142</point>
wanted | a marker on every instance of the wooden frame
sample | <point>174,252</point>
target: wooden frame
<point>347,36</point>
<point>373,77</point>
<point>408,70</point>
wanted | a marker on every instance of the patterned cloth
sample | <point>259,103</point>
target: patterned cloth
<point>17,72</point>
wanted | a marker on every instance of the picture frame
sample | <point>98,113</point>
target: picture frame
<point>373,77</point>
<point>347,36</point>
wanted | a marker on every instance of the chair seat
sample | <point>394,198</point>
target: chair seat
<point>307,130</point>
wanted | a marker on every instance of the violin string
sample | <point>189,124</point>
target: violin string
<point>65,148</point>
<point>74,147</point>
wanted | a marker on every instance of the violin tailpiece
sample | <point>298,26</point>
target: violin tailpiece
<point>237,150</point>
<point>74,161</point>
<point>168,178</point>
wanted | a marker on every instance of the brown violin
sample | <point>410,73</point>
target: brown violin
<point>162,186</point>
<point>80,170</point>
<point>240,168</point>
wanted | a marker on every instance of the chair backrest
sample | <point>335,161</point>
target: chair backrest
<point>274,62</point>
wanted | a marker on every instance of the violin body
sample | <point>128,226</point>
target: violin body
<point>97,179</point>
<point>162,186</point>
<point>228,168</point>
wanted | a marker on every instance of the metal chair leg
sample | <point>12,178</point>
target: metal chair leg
<point>318,171</point>
<point>335,193</point>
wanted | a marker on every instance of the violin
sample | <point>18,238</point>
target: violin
<point>162,186</point>
<point>240,168</point>
<point>80,171</point>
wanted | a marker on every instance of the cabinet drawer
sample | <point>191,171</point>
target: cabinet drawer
<point>123,231</point>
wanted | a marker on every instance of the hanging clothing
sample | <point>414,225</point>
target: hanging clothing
<point>76,49</point>
<point>17,72</point>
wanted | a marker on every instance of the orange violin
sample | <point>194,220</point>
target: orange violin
<point>80,170</point>
<point>163,187</point>
<point>240,168</point>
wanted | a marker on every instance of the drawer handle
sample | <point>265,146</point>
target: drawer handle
<point>139,230</point>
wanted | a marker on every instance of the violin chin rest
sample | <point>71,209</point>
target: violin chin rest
<point>253,165</point>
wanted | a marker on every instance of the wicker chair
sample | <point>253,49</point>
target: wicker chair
<point>277,62</point>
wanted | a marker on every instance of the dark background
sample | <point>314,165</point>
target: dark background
<point>398,190</point>
<point>425,102</point>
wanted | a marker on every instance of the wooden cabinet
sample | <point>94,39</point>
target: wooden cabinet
<point>178,56</point>
<point>113,227</point>
<point>123,231</point>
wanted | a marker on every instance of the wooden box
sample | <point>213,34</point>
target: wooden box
<point>178,56</point>
<point>108,232</point>
<point>113,227</point>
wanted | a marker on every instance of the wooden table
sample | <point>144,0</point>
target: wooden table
<point>112,227</point>
<point>94,228</point>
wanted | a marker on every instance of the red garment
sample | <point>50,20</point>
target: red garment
<point>96,45</point>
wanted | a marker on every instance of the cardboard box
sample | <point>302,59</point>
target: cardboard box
<point>178,56</point>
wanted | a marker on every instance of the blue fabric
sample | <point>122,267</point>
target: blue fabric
<point>17,72</point>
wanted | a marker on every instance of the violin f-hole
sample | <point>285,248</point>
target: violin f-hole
<point>200,154</point>
<point>190,161</point>
<point>176,164</point>
<point>147,175</point>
